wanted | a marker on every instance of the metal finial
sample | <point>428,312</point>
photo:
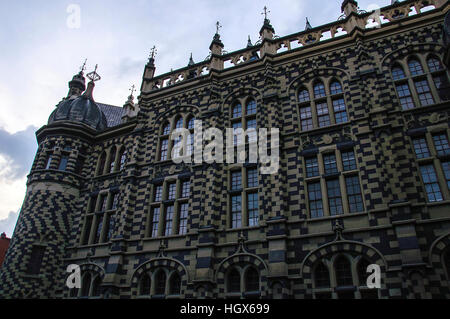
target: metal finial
<point>83,67</point>
<point>153,52</point>
<point>218,27</point>
<point>132,89</point>
<point>265,13</point>
<point>94,76</point>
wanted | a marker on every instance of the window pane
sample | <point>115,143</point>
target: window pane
<point>423,90</point>
<point>252,280</point>
<point>155,222</point>
<point>397,73</point>
<point>237,111</point>
<point>252,177</point>
<point>306,118</point>
<point>123,160</point>
<point>303,96</point>
<point>421,148</point>
<point>315,200</point>
<point>334,197</point>
<point>237,138</point>
<point>171,191</point>
<point>236,180</point>
<point>253,211</point>
<point>251,107</point>
<point>169,220</point>
<point>191,123</point>
<point>319,90</point>
<point>160,287</point>
<point>431,184</point>
<point>115,201</point>
<point>164,148</point>
<point>110,227</point>
<point>234,281</point>
<point>434,64</point>
<point>330,164</point>
<point>312,167</point>
<point>184,208</point>
<point>340,111</point>
<point>103,202</point>
<point>354,194</point>
<point>63,163</point>
<point>166,129</point>
<point>335,88</point>
<point>348,160</point>
<point>322,276</point>
<point>343,272</point>
<point>179,123</point>
<point>441,144</point>
<point>186,189</point>
<point>404,94</point>
<point>252,135</point>
<point>98,231</point>
<point>49,162</point>
<point>236,211</point>
<point>322,114</point>
<point>158,193</point>
<point>415,67</point>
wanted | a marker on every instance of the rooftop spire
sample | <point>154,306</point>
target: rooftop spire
<point>266,26</point>
<point>77,85</point>
<point>191,61</point>
<point>216,44</point>
<point>249,42</point>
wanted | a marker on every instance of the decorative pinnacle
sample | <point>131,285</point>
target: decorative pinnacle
<point>218,27</point>
<point>265,13</point>
<point>94,76</point>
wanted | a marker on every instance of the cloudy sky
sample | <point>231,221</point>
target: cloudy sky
<point>42,47</point>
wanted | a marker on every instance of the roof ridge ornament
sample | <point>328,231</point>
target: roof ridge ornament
<point>83,67</point>
<point>218,27</point>
<point>153,53</point>
<point>265,13</point>
<point>308,25</point>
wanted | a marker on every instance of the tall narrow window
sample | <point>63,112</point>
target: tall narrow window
<point>253,210</point>
<point>251,280</point>
<point>179,123</point>
<point>334,197</point>
<point>431,183</point>
<point>109,227</point>
<point>184,208</point>
<point>87,230</point>
<point>335,88</point>
<point>144,285</point>
<point>434,64</point>
<point>102,162</point>
<point>164,150</point>
<point>98,230</point>
<point>155,221</point>
<point>348,160</point>
<point>319,90</point>
<point>322,276</point>
<point>160,287</point>
<point>303,96</point>
<point>166,129</point>
<point>236,211</point>
<point>322,114</point>
<point>315,200</point>
<point>175,284</point>
<point>340,111</point>
<point>446,169</point>
<point>424,92</point>
<point>112,161</point>
<point>237,111</point>
<point>306,118</point>
<point>441,144</point>
<point>49,162</point>
<point>236,180</point>
<point>312,167</point>
<point>234,281</point>
<point>158,193</point>
<point>251,107</point>
<point>343,271</point>
<point>185,189</point>
<point>330,164</point>
<point>415,68</point>
<point>37,256</point>
<point>171,191</point>
<point>123,159</point>
<point>404,94</point>
<point>252,177</point>
<point>169,220</point>
<point>354,194</point>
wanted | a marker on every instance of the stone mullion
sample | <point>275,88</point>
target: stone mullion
<point>323,187</point>
<point>342,185</point>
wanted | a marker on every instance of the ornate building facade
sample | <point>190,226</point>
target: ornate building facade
<point>362,105</point>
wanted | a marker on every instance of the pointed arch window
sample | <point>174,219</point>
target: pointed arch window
<point>123,159</point>
<point>251,107</point>
<point>179,123</point>
<point>237,111</point>
<point>112,161</point>
<point>434,64</point>
<point>251,280</point>
<point>335,87</point>
<point>144,285</point>
<point>160,286</point>
<point>245,119</point>
<point>102,163</point>
<point>303,96</point>
<point>319,90</point>
<point>398,73</point>
<point>175,284</point>
<point>166,129</point>
<point>343,271</point>
<point>96,287</point>
<point>234,281</point>
<point>322,276</point>
<point>415,68</point>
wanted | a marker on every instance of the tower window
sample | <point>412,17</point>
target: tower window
<point>63,163</point>
<point>37,256</point>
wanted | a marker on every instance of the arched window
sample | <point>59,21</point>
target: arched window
<point>251,107</point>
<point>415,68</point>
<point>191,123</point>
<point>86,285</point>
<point>102,162</point>
<point>398,73</point>
<point>123,158</point>
<point>96,287</point>
<point>362,272</point>
<point>175,284</point>
<point>112,160</point>
<point>144,285</point>
<point>319,90</point>
<point>160,285</point>
<point>234,281</point>
<point>343,271</point>
<point>237,111</point>
<point>179,123</point>
<point>434,64</point>
<point>244,119</point>
<point>322,276</point>
<point>327,108</point>
<point>251,280</point>
<point>166,129</point>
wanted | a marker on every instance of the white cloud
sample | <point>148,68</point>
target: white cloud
<point>7,225</point>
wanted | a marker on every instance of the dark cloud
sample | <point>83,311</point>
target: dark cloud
<point>7,225</point>
<point>20,149</point>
